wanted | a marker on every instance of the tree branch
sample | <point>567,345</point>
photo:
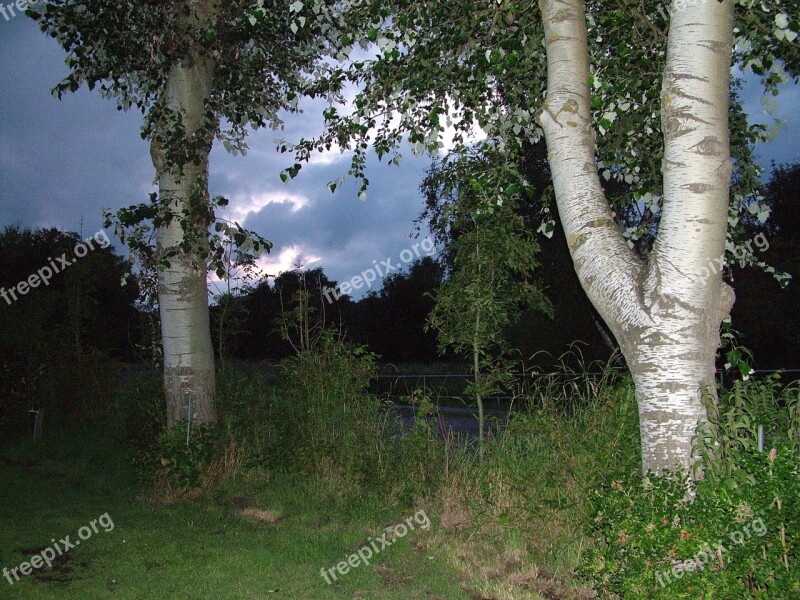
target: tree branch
<point>607,268</point>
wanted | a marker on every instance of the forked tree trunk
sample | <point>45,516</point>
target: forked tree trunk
<point>665,313</point>
<point>182,288</point>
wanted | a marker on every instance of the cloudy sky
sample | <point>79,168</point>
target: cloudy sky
<point>63,161</point>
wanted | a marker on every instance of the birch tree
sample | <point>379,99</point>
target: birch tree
<point>636,93</point>
<point>199,71</point>
<point>665,313</point>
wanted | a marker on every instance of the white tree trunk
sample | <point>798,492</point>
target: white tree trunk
<point>182,292</point>
<point>665,313</point>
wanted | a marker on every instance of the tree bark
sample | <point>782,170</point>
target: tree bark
<point>665,312</point>
<point>182,292</point>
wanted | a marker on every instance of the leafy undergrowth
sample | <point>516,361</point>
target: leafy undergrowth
<point>302,473</point>
<point>733,534</point>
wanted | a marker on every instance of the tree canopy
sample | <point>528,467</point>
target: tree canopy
<point>423,71</point>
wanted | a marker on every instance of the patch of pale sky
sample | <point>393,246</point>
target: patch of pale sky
<point>286,260</point>
<point>242,205</point>
<point>267,266</point>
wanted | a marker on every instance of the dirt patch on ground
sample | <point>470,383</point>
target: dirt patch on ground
<point>64,568</point>
<point>268,516</point>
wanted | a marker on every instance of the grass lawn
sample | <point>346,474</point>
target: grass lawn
<point>205,550</point>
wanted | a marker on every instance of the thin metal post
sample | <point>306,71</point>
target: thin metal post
<point>37,425</point>
<point>189,419</point>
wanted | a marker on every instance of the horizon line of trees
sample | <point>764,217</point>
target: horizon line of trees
<point>87,308</point>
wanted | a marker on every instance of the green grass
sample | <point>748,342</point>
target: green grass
<point>509,523</point>
<point>204,550</point>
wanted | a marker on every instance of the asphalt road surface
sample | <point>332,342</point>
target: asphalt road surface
<point>461,421</point>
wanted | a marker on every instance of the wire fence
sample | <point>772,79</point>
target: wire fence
<point>445,386</point>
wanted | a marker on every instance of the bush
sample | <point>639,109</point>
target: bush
<point>69,388</point>
<point>318,419</point>
<point>180,462</point>
<point>141,410</point>
<point>733,534</point>
<point>177,469</point>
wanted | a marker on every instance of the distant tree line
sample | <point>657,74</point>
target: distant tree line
<point>86,314</point>
<point>55,341</point>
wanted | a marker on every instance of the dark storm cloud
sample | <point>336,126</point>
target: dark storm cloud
<point>345,232</point>
<point>63,160</point>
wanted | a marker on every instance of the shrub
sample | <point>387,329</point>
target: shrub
<point>323,421</point>
<point>141,410</point>
<point>180,462</point>
<point>175,464</point>
<point>733,534</point>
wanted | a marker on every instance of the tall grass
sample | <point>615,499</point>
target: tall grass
<point>515,518</point>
